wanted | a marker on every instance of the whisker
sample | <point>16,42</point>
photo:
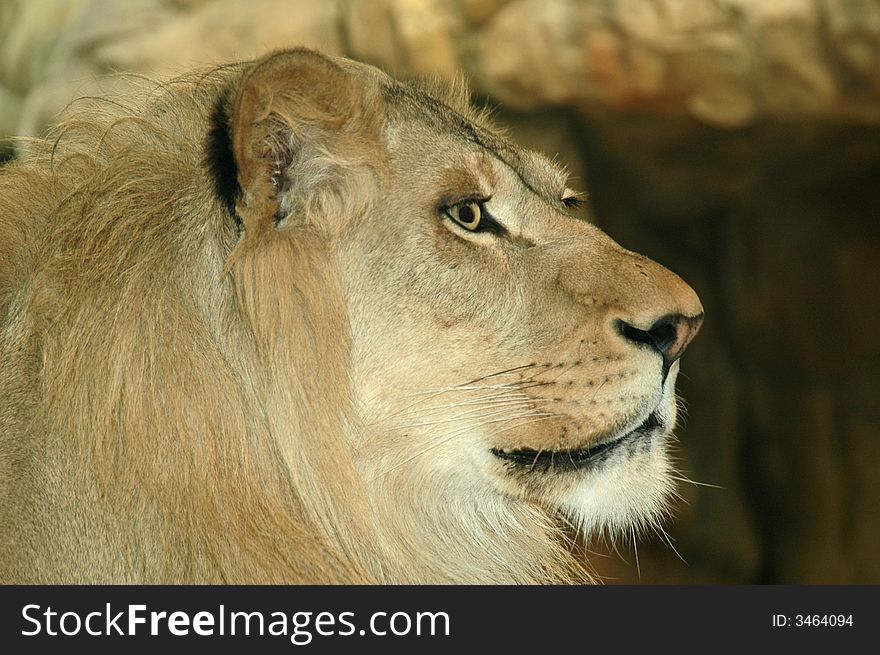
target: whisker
<point>531,384</point>
<point>658,529</point>
<point>678,497</point>
<point>449,437</point>
<point>684,478</point>
<point>481,407</point>
<point>601,384</point>
<point>498,398</point>
<point>422,397</point>
<point>632,531</point>
<point>482,387</point>
<point>538,417</point>
<point>504,372</point>
<point>562,371</point>
<point>498,391</point>
<point>535,461</point>
<point>433,393</point>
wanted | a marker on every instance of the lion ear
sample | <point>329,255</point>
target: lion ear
<point>299,124</point>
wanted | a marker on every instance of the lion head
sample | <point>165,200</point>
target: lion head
<point>294,320</point>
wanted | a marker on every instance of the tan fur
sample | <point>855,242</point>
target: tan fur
<point>297,371</point>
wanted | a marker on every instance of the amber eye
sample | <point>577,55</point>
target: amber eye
<point>467,214</point>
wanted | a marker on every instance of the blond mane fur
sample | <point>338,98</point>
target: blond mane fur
<point>177,375</point>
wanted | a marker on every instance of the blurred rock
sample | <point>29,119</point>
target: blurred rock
<point>476,12</point>
<point>728,63</point>
<point>529,54</point>
<point>372,35</point>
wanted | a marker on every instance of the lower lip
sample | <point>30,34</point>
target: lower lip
<point>572,460</point>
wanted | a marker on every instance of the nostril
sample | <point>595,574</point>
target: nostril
<point>634,334</point>
<point>664,333</point>
<point>668,335</point>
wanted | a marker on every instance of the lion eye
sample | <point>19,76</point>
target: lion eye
<point>467,214</point>
<point>573,199</point>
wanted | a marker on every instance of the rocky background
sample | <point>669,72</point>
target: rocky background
<point>736,141</point>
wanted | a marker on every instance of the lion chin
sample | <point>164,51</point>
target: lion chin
<point>294,321</point>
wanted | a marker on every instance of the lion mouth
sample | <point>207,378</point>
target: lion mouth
<point>579,458</point>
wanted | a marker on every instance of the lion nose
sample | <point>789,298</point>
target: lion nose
<point>668,335</point>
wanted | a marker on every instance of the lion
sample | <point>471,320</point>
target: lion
<point>295,321</point>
